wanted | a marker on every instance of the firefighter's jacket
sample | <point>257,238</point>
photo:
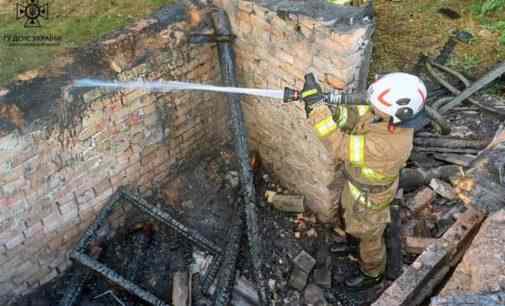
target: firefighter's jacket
<point>372,154</point>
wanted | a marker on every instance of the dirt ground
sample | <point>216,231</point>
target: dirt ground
<point>407,28</point>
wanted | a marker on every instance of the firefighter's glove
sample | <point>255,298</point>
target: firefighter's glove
<point>312,93</point>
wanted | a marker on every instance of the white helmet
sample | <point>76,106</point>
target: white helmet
<point>399,95</point>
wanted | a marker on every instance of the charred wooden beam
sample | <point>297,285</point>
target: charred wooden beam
<point>394,243</point>
<point>116,278</point>
<point>164,217</point>
<point>74,286</point>
<point>419,279</point>
<point>456,159</point>
<point>211,275</point>
<point>483,184</point>
<point>452,142</point>
<point>226,53</point>
<point>412,178</point>
<point>244,293</point>
<point>445,150</point>
<point>229,267</point>
<point>140,243</point>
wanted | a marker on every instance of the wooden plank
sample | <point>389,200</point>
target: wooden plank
<point>417,245</point>
<point>419,279</point>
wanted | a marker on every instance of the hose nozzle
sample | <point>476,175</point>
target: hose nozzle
<point>291,94</point>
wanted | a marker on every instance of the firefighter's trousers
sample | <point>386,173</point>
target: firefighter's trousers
<point>368,226</point>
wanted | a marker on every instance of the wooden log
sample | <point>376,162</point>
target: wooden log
<point>419,280</point>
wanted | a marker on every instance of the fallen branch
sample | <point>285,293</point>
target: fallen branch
<point>469,91</point>
<point>437,118</point>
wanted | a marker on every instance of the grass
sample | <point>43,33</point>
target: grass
<point>77,21</point>
<point>410,27</point>
<point>466,63</point>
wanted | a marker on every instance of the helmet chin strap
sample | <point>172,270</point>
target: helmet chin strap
<point>391,126</point>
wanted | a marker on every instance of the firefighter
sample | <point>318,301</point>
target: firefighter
<point>373,148</point>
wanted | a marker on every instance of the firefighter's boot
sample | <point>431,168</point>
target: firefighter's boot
<point>362,281</point>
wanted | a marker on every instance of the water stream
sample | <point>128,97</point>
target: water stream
<point>166,86</point>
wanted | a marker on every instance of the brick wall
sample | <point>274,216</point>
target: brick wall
<point>275,48</point>
<point>55,180</point>
<point>74,148</point>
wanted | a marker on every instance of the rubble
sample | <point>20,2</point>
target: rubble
<point>443,189</point>
<point>304,261</point>
<point>298,278</point>
<point>322,272</point>
<point>181,289</point>
<point>417,245</point>
<point>421,200</point>
<point>313,295</point>
<point>287,203</point>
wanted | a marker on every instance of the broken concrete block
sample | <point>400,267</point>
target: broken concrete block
<point>322,272</point>
<point>421,200</point>
<point>313,295</point>
<point>181,293</point>
<point>287,203</point>
<point>322,277</point>
<point>298,278</point>
<point>232,178</point>
<point>443,189</point>
<point>304,261</point>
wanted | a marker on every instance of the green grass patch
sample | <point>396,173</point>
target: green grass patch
<point>77,21</point>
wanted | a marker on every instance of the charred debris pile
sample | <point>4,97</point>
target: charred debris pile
<point>238,237</point>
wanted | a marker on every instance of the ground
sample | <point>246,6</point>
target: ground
<point>406,28</point>
<point>77,21</point>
